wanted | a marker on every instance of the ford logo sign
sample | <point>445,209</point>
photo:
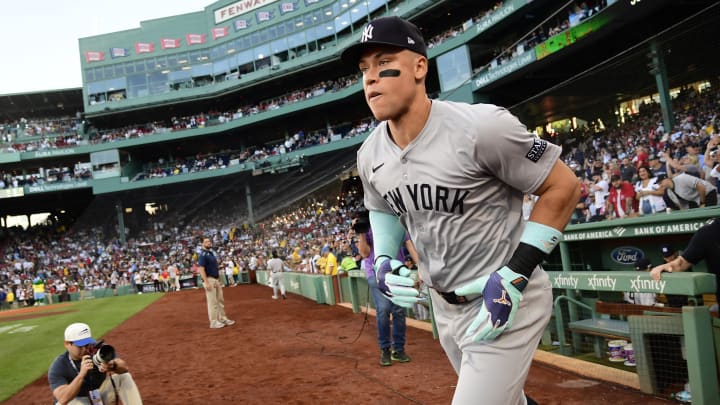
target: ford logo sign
<point>626,255</point>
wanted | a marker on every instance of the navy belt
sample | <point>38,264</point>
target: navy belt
<point>455,299</point>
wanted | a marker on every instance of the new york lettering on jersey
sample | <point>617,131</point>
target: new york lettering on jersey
<point>426,197</point>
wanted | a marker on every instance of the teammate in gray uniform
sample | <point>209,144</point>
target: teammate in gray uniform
<point>277,266</point>
<point>453,175</point>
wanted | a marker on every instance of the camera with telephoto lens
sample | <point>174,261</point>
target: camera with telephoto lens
<point>361,224</point>
<point>102,353</point>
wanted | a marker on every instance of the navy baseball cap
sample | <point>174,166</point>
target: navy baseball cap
<point>392,31</point>
<point>666,250</point>
<point>643,264</point>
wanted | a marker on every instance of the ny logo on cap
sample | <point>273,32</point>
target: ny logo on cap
<point>367,33</point>
<point>410,41</point>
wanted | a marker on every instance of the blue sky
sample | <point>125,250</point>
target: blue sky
<point>40,37</point>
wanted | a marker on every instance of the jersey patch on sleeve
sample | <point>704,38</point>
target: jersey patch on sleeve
<point>537,150</point>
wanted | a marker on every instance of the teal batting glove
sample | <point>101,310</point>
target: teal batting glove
<point>501,294</point>
<point>396,283</point>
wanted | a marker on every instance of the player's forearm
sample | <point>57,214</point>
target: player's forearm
<point>203,275</point>
<point>680,264</point>
<point>388,234</point>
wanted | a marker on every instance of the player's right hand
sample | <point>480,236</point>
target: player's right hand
<point>396,283</point>
<point>501,295</point>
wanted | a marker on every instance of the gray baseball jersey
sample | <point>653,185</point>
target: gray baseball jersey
<point>458,187</point>
<point>458,190</point>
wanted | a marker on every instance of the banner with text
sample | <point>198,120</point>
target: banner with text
<point>656,229</point>
<point>239,8</point>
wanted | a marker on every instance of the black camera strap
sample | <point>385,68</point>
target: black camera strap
<point>117,397</point>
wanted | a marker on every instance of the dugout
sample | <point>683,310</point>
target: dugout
<point>594,252</point>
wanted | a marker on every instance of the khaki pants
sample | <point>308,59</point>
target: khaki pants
<point>127,391</point>
<point>215,301</point>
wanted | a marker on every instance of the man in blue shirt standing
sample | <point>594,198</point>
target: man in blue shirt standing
<point>208,267</point>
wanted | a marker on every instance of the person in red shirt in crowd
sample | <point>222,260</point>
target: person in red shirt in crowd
<point>642,158</point>
<point>165,280</point>
<point>621,201</point>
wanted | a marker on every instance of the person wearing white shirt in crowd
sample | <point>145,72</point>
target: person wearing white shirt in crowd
<point>315,260</point>
<point>305,264</point>
<point>601,188</point>
<point>649,192</point>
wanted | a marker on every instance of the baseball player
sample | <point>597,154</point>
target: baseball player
<point>277,266</point>
<point>453,175</point>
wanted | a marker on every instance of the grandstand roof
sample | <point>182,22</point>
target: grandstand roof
<point>41,104</point>
<point>615,67</point>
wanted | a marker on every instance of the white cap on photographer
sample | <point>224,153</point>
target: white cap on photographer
<point>78,334</point>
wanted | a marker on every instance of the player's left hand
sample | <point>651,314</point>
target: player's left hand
<point>396,283</point>
<point>501,294</point>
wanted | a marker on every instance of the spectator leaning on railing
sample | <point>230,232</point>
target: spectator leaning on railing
<point>704,245</point>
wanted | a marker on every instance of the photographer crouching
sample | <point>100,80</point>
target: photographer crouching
<point>89,373</point>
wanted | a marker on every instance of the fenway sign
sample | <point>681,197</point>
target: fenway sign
<point>238,8</point>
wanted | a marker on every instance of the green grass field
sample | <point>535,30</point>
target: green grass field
<point>27,347</point>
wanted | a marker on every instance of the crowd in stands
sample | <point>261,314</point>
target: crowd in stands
<point>223,159</point>
<point>197,163</point>
<point>85,260</point>
<point>24,129</point>
<point>187,165</point>
<point>14,179</point>
<point>210,118</point>
<point>626,171</point>
<point>172,124</point>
